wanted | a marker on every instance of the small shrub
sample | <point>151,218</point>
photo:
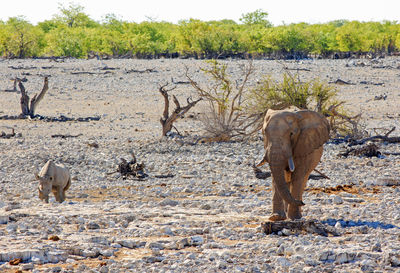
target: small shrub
<point>313,95</point>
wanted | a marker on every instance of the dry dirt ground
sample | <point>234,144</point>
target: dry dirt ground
<point>201,206</point>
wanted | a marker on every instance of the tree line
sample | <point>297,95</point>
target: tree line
<point>72,33</point>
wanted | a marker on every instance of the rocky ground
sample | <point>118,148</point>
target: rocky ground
<point>201,206</point>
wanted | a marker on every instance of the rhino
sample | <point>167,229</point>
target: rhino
<point>55,178</point>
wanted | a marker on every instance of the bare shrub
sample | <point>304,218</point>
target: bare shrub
<point>226,117</point>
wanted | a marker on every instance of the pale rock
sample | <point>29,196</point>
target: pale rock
<point>90,253</point>
<point>92,225</point>
<point>4,219</point>
<point>107,252</point>
<point>282,261</point>
<point>99,240</point>
<point>168,202</point>
<point>27,267</point>
<point>156,245</point>
<point>115,245</point>
<point>55,269</point>
<point>131,243</point>
<point>167,231</point>
<point>196,240</point>
<point>56,256</point>
<point>337,200</point>
<point>286,232</point>
<point>103,269</point>
<point>342,257</point>
<point>327,255</point>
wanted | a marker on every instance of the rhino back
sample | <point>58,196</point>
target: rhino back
<point>61,176</point>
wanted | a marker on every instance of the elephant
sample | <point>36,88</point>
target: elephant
<point>293,142</point>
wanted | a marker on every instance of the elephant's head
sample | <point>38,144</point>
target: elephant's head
<point>288,136</point>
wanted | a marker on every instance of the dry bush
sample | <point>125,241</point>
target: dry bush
<point>226,117</point>
<point>313,95</point>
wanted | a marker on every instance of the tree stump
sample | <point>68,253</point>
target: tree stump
<point>28,108</point>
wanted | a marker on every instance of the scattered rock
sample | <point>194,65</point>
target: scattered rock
<point>168,202</point>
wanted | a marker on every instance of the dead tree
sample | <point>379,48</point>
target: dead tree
<point>168,120</point>
<point>28,107</point>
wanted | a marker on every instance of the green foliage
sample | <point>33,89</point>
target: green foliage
<point>258,17</point>
<point>208,38</point>
<point>67,41</point>
<point>313,95</point>
<point>18,38</point>
<point>291,91</point>
<point>73,33</point>
<point>73,16</point>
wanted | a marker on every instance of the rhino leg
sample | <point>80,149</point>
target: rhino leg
<point>56,192</point>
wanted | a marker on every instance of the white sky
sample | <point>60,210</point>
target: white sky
<point>280,11</point>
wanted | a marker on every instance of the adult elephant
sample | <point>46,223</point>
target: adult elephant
<point>293,142</point>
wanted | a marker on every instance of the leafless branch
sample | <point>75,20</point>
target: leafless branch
<point>167,120</point>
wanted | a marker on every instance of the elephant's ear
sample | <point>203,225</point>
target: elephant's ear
<point>314,132</point>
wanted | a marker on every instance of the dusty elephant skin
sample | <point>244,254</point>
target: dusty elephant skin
<point>55,178</point>
<point>293,148</point>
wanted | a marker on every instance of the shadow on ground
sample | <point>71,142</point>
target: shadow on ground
<point>351,223</point>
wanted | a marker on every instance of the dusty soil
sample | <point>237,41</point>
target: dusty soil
<point>205,215</point>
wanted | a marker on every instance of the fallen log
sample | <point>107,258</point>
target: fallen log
<point>66,136</point>
<point>376,139</point>
<point>148,70</point>
<point>298,226</point>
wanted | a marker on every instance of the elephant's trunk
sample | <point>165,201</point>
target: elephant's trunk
<point>282,187</point>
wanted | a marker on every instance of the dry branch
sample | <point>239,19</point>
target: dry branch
<point>369,150</point>
<point>14,89</point>
<point>7,136</point>
<point>378,138</point>
<point>147,70</point>
<point>66,136</point>
<point>168,120</point>
<point>131,168</point>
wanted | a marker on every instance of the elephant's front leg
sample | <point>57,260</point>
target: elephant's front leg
<point>296,189</point>
<point>278,207</point>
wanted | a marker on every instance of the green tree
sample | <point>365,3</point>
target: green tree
<point>21,39</point>
<point>73,16</point>
<point>65,41</point>
<point>258,17</point>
